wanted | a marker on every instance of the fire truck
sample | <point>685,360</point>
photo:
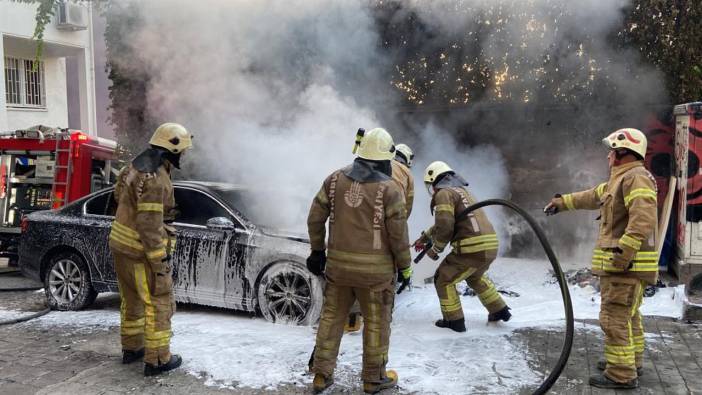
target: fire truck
<point>45,168</point>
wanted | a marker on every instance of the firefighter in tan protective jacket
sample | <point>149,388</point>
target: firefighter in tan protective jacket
<point>625,256</point>
<point>474,247</point>
<point>366,247</point>
<point>402,175</point>
<point>141,244</point>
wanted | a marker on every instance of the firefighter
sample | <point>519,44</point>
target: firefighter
<point>141,243</point>
<point>625,257</point>
<point>367,245</point>
<point>474,247</point>
<point>402,175</point>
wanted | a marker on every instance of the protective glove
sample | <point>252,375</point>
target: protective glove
<point>421,243</point>
<point>404,277</point>
<point>167,258</point>
<point>555,206</point>
<point>433,253</point>
<point>316,262</point>
<point>623,258</point>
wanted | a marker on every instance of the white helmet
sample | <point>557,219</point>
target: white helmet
<point>375,144</point>
<point>405,153</point>
<point>631,139</point>
<point>434,170</point>
<point>173,137</point>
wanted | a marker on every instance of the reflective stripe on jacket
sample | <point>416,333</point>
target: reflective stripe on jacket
<point>368,238</point>
<point>144,200</point>
<point>474,233</point>
<point>628,219</point>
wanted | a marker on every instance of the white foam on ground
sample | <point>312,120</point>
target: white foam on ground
<point>237,350</point>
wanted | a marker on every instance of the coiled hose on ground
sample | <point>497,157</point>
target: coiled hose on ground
<point>565,294</point>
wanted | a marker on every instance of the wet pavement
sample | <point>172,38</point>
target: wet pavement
<point>53,360</point>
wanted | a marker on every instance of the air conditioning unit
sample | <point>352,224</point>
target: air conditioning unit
<point>71,17</point>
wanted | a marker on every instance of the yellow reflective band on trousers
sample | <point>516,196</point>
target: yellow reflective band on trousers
<point>476,244</point>
<point>638,340</point>
<point>128,327</point>
<point>620,355</point>
<point>153,339</point>
<point>453,302</point>
<point>157,207</point>
<point>490,295</point>
<point>640,193</point>
<point>644,261</point>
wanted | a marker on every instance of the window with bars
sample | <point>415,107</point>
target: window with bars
<point>24,83</point>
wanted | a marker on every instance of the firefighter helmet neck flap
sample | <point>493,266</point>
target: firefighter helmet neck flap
<point>404,154</point>
<point>375,144</point>
<point>364,170</point>
<point>172,139</point>
<point>631,140</point>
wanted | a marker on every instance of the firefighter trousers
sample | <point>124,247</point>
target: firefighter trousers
<point>147,305</point>
<point>471,268</point>
<point>622,324</point>
<point>376,307</point>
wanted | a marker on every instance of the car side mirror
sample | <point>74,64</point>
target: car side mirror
<point>220,223</point>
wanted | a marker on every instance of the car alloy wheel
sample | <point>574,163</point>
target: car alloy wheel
<point>288,297</point>
<point>65,281</point>
<point>288,293</point>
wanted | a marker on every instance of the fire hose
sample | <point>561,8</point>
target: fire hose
<point>563,284</point>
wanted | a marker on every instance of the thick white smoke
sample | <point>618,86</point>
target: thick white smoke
<point>274,91</point>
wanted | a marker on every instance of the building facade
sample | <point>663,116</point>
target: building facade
<point>59,89</point>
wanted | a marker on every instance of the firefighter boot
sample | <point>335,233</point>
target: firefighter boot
<point>456,325</point>
<point>503,315</point>
<point>320,383</point>
<point>129,356</point>
<point>602,381</point>
<point>602,365</point>
<point>153,370</point>
<point>389,381</point>
<point>354,323</point>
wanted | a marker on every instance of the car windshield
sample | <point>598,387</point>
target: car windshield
<point>270,209</point>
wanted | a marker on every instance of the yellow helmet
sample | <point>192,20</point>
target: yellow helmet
<point>375,144</point>
<point>631,139</point>
<point>434,170</point>
<point>173,137</point>
<point>405,152</point>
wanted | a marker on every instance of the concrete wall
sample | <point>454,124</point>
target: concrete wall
<point>16,28</point>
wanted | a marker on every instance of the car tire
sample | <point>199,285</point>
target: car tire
<point>67,283</point>
<point>289,293</point>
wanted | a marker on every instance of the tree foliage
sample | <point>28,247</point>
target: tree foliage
<point>667,34</point>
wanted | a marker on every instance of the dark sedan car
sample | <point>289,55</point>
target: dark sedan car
<point>224,255</point>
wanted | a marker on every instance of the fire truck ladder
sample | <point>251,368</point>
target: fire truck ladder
<point>59,165</point>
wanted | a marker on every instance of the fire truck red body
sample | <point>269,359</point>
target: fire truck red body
<point>44,168</point>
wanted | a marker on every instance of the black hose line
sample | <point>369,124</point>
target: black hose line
<point>26,317</point>
<point>565,294</point>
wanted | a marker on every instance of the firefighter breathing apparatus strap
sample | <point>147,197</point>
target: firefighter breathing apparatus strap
<point>563,284</point>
